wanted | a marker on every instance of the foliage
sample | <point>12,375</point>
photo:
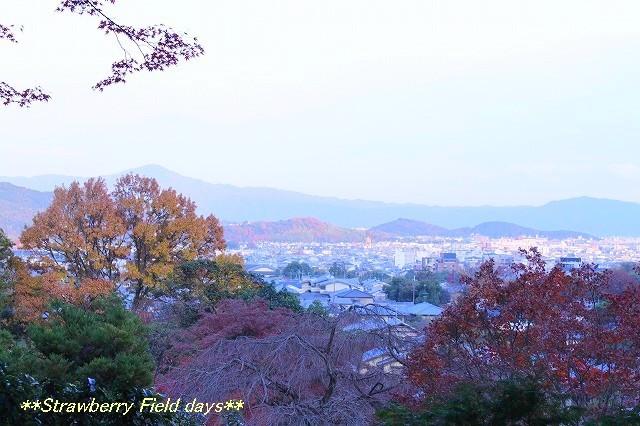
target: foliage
<point>5,249</point>
<point>515,401</point>
<point>79,354</point>
<point>339,270</point>
<point>88,233</point>
<point>152,48</point>
<point>425,288</point>
<point>622,278</point>
<point>105,342</point>
<point>316,308</point>
<point>275,299</point>
<point>563,331</point>
<point>288,368</point>
<point>32,294</point>
<point>297,270</point>
<point>5,275</point>
<point>209,281</point>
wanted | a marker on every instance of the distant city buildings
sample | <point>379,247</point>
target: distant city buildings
<point>373,261</point>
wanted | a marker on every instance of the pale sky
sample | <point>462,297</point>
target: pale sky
<point>433,102</point>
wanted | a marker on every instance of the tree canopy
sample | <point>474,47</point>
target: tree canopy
<point>563,334</point>
<point>134,235</point>
<point>424,288</point>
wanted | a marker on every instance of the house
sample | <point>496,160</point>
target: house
<point>352,297</point>
<point>405,311</point>
<point>307,299</point>
<point>328,284</point>
<point>292,286</point>
<point>261,270</point>
<point>569,263</point>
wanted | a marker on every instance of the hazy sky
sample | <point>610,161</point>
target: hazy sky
<point>437,102</point>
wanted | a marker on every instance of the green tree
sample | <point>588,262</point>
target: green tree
<point>424,288</point>
<point>515,401</point>
<point>297,270</point>
<point>77,355</point>
<point>5,276</point>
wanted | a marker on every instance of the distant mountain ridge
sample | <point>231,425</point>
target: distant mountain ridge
<point>600,217</point>
<point>303,230</point>
<point>19,205</point>
<point>413,228</point>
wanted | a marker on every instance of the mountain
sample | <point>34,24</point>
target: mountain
<point>414,228</point>
<point>411,228</point>
<point>601,217</point>
<point>511,230</point>
<point>306,230</point>
<point>18,206</point>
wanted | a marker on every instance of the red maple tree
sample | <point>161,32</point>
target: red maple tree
<point>564,331</point>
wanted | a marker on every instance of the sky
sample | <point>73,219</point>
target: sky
<point>434,102</point>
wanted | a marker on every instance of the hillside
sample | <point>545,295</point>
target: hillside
<point>18,206</point>
<point>410,228</point>
<point>305,230</point>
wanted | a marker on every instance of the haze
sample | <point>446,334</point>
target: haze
<point>432,102</point>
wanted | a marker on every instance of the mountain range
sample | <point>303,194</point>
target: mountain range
<point>415,228</point>
<point>313,230</point>
<point>599,217</point>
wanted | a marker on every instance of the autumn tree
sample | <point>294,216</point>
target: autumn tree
<point>162,231</point>
<point>81,232</point>
<point>563,334</point>
<point>134,235</point>
<point>151,48</point>
<point>288,368</point>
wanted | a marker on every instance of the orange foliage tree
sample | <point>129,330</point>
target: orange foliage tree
<point>80,232</point>
<point>134,235</point>
<point>33,293</point>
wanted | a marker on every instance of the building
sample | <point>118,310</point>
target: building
<point>569,263</point>
<point>405,257</point>
<point>448,262</point>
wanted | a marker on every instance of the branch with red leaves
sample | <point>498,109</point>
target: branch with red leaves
<point>11,95</point>
<point>158,47</point>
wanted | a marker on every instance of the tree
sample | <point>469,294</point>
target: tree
<point>33,294</point>
<point>152,48</point>
<point>5,249</point>
<point>425,288</point>
<point>81,232</point>
<point>163,230</point>
<point>564,333</point>
<point>304,369</point>
<point>338,270</point>
<point>5,276</point>
<point>79,354</point>
<point>622,278</point>
<point>297,270</point>
<point>516,401</point>
<point>134,235</point>
<point>206,281</point>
